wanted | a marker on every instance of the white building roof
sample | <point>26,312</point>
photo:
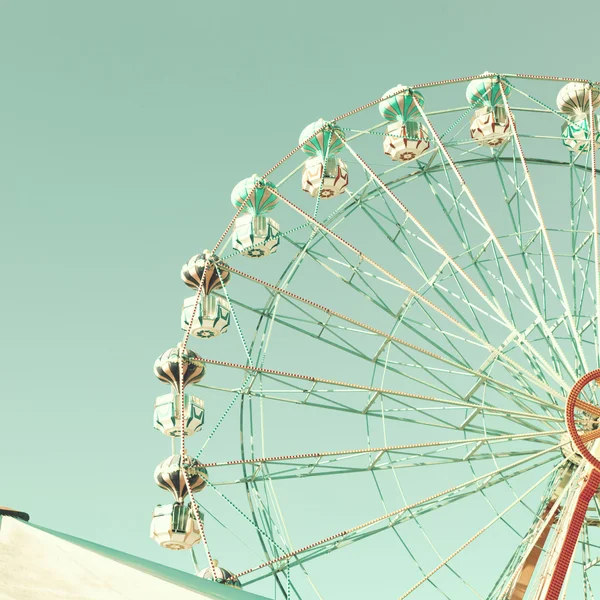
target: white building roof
<point>37,563</point>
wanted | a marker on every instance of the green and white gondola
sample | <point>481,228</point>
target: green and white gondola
<point>490,125</point>
<point>324,175</point>
<point>406,138</point>
<point>255,235</point>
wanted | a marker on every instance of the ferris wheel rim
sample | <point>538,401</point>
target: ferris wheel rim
<point>459,163</point>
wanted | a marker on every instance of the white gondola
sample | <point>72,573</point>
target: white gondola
<point>212,316</point>
<point>405,141</point>
<point>255,236</point>
<point>574,100</point>
<point>490,126</point>
<point>174,526</point>
<point>335,178</point>
<point>167,414</point>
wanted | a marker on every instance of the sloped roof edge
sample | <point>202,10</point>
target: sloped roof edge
<point>179,578</point>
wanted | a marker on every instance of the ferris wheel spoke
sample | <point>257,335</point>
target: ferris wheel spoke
<point>548,244</point>
<point>341,335</point>
<point>589,408</point>
<point>550,337</point>
<point>401,368</point>
<point>524,244</point>
<point>380,451</point>
<point>392,394</point>
<point>457,207</point>
<point>527,256</point>
<point>292,471</point>
<point>411,349</point>
<point>315,465</point>
<point>395,365</point>
<point>551,372</point>
<point>322,332</point>
<point>364,286</point>
<point>480,532</point>
<point>405,322</point>
<point>406,513</point>
<point>321,401</point>
<point>458,269</point>
<point>409,516</point>
<point>449,338</point>
<point>355,276</point>
<point>269,530</point>
<point>434,281</point>
<point>386,192</point>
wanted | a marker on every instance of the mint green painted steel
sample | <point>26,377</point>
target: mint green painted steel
<point>321,139</point>
<point>409,516</point>
<point>402,106</point>
<point>486,91</point>
<point>260,199</point>
<point>462,353</point>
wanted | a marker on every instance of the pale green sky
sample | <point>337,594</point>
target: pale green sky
<point>123,127</point>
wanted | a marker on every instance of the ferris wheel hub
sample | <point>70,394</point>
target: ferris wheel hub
<point>583,421</point>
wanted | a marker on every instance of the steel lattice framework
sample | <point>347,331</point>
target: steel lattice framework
<point>402,364</point>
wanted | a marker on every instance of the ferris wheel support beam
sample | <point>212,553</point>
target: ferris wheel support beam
<point>532,558</point>
<point>562,552</point>
<point>495,307</point>
<point>561,287</point>
<point>441,286</point>
<point>553,328</point>
<point>498,245</point>
<point>524,245</point>
<point>520,579</point>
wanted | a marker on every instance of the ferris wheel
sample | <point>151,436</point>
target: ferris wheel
<point>390,361</point>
